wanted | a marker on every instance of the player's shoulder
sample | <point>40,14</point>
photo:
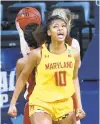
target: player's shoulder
<point>76,53</point>
<point>36,51</point>
<point>74,40</point>
<point>75,44</point>
<point>35,54</point>
<point>22,61</point>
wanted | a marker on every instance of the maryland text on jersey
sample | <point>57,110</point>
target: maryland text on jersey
<point>58,65</point>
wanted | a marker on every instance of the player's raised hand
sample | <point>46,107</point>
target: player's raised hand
<point>23,45</point>
<point>19,29</point>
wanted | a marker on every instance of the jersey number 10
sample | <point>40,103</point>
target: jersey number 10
<point>60,78</point>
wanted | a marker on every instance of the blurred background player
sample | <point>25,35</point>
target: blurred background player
<point>27,44</point>
<point>24,17</point>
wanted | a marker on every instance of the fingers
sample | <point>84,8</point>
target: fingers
<point>12,112</point>
<point>80,114</point>
<point>17,25</point>
<point>19,28</point>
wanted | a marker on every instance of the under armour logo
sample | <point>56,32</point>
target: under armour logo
<point>46,56</point>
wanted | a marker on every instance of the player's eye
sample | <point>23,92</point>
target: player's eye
<point>64,25</point>
<point>55,26</point>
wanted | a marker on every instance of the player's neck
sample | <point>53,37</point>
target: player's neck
<point>31,48</point>
<point>57,47</point>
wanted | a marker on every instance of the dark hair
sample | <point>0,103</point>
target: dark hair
<point>34,35</point>
<point>39,35</point>
<point>28,34</point>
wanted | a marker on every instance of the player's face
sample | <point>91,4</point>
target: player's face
<point>57,30</point>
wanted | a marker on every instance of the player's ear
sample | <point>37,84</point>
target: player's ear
<point>49,33</point>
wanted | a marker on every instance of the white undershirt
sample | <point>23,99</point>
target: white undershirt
<point>75,44</point>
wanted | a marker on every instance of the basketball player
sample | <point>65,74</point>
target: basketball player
<point>57,30</point>
<point>74,43</point>
<point>68,38</point>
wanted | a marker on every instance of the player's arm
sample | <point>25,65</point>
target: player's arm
<point>23,44</point>
<point>76,80</point>
<point>22,79</point>
<point>33,60</point>
<point>77,95</point>
<point>19,68</point>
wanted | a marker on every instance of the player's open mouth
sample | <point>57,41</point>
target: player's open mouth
<point>60,35</point>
